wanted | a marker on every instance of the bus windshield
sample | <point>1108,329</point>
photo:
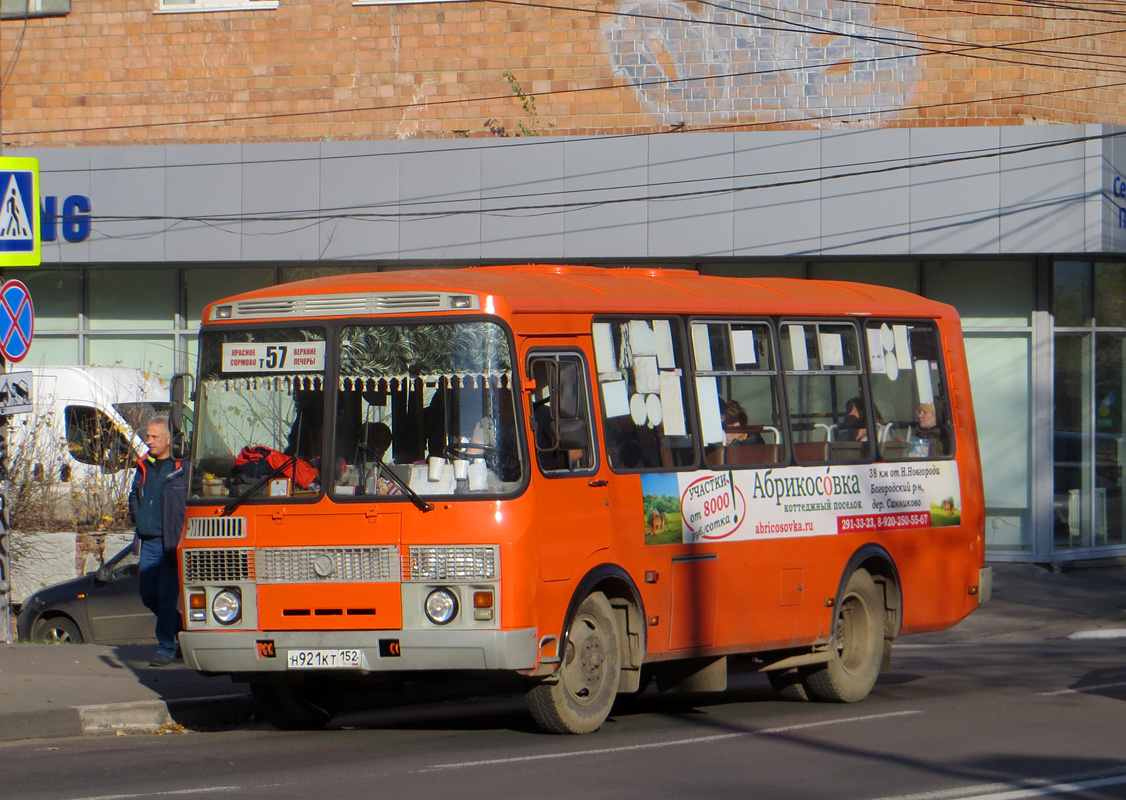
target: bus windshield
<point>261,409</point>
<point>432,403</point>
<point>424,406</point>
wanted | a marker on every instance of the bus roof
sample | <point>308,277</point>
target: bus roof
<point>543,288</point>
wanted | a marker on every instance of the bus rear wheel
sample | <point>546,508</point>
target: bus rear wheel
<point>580,696</point>
<point>850,673</point>
<point>294,706</point>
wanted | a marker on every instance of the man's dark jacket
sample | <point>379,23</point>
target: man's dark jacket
<point>173,500</point>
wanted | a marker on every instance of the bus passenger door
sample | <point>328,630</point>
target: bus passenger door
<point>572,503</point>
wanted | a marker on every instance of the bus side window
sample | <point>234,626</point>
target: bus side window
<point>560,414</point>
<point>741,417</point>
<point>641,371</point>
<point>823,373</point>
<point>909,388</point>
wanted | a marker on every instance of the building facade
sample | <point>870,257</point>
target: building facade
<point>190,150</point>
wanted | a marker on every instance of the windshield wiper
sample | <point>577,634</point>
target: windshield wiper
<point>257,486</point>
<point>414,496</point>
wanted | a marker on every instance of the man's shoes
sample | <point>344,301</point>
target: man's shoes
<point>162,660</point>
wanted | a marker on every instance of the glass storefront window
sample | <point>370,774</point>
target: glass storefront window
<point>49,350</point>
<point>202,286</point>
<point>995,300</point>
<point>1071,293</point>
<point>987,294</point>
<point>1110,295</point>
<point>784,269</point>
<point>57,297</point>
<point>290,274</point>
<point>153,354</point>
<point>896,274</point>
<point>1110,438</point>
<point>129,299</point>
<point>1002,392</point>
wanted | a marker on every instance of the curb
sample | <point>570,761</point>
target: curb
<point>143,716</point>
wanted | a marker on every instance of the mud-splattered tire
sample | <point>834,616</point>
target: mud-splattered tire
<point>850,673</point>
<point>579,698</point>
<point>293,707</point>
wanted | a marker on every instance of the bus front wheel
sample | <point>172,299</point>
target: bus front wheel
<point>579,698</point>
<point>293,707</point>
<point>850,673</point>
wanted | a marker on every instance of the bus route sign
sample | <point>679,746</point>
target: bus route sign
<point>19,212</point>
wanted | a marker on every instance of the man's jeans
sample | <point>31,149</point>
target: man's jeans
<point>160,592</point>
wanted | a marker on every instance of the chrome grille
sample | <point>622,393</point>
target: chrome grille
<point>219,565</point>
<point>326,564</point>
<point>216,528</point>
<point>452,563</point>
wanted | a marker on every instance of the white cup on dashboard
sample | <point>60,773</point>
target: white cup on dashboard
<point>461,469</point>
<point>437,468</point>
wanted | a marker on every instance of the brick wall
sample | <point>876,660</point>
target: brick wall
<point>115,72</point>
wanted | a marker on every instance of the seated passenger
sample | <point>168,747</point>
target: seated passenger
<point>735,424</point>
<point>927,437</point>
<point>854,426</point>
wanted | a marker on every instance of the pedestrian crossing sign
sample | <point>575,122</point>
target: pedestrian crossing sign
<point>19,212</point>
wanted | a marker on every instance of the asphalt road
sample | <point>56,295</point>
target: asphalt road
<point>952,721</point>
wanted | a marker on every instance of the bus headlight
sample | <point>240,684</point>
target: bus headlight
<point>227,607</point>
<point>441,606</point>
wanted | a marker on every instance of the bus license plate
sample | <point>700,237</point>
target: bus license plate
<point>323,659</point>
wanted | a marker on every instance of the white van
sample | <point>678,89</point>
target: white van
<point>72,454</point>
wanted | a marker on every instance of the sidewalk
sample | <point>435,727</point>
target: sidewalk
<point>70,690</point>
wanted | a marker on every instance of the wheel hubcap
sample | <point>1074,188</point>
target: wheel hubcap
<point>586,664</point>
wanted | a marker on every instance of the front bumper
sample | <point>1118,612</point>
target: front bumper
<point>232,652</point>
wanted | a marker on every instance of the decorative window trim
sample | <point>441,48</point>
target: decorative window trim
<point>33,9</point>
<point>202,6</point>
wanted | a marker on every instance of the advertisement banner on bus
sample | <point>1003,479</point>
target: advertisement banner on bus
<point>739,505</point>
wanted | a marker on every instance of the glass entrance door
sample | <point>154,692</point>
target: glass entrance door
<point>1089,437</point>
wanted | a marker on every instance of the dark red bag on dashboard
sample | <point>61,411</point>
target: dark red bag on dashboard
<point>258,461</point>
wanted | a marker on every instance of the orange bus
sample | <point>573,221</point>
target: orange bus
<point>578,477</point>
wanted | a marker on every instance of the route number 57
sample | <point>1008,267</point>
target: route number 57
<point>275,356</point>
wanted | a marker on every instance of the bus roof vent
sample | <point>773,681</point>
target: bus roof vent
<point>358,304</point>
<point>404,301</point>
<point>270,307</point>
<point>340,304</point>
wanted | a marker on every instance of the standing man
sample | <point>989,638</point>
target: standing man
<point>157,503</point>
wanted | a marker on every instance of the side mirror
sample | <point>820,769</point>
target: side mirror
<point>103,574</point>
<point>177,391</point>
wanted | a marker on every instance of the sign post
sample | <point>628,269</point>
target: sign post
<point>19,247</point>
